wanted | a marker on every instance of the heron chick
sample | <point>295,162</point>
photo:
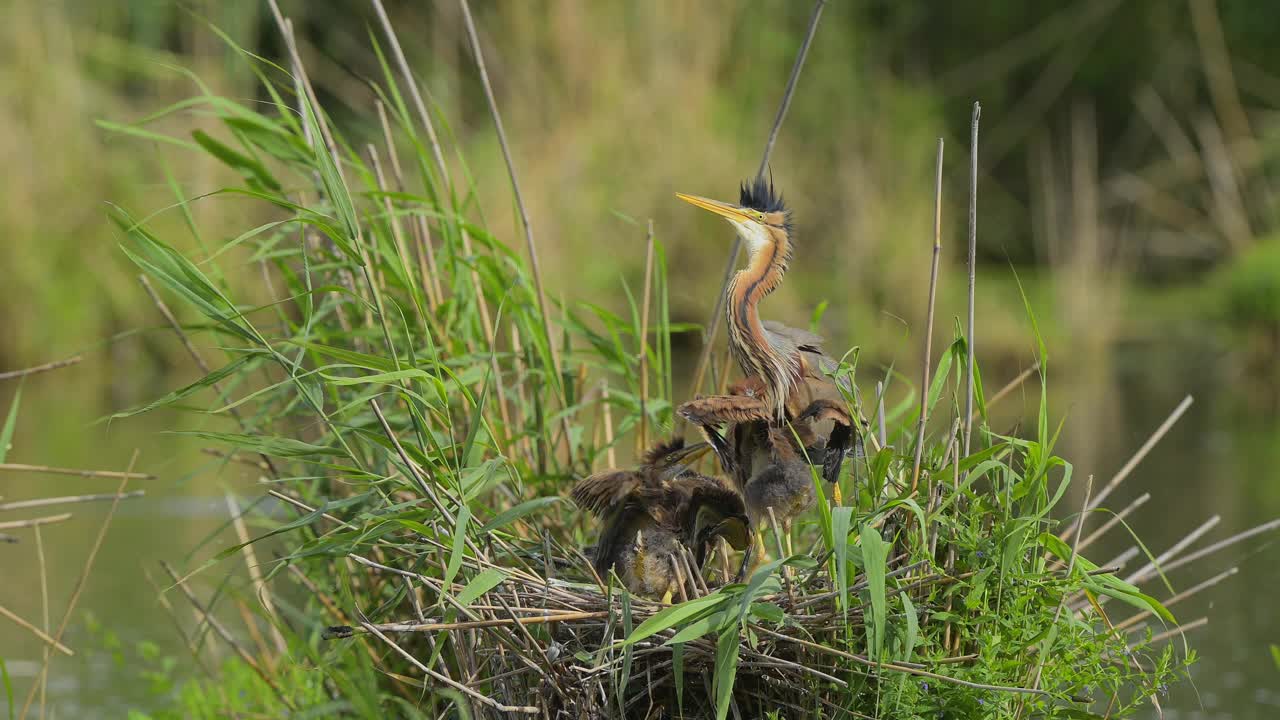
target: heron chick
<point>652,513</point>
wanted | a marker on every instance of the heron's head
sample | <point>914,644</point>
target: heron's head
<point>760,217</point>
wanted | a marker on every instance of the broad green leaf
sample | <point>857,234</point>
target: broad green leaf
<point>482,583</point>
<point>841,521</point>
<point>512,514</point>
<point>459,546</point>
<point>913,626</point>
<point>668,618</point>
<point>10,423</point>
<point>250,169</point>
<point>875,557</point>
<point>699,627</point>
<point>726,668</point>
<point>209,380</point>
<point>273,446</point>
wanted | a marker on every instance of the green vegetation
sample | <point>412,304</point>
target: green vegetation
<point>417,410</point>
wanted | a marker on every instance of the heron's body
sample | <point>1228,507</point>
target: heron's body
<point>652,513</point>
<point>787,413</point>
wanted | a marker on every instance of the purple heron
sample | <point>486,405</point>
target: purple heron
<point>788,412</point>
<point>650,514</point>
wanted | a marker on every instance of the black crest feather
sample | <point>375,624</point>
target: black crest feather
<point>759,194</point>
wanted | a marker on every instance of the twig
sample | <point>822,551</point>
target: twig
<point>44,614</point>
<point>42,502</point>
<point>108,474</point>
<point>1179,630</point>
<point>1142,451</point>
<point>896,667</point>
<point>255,573</point>
<point>973,271</point>
<point>422,232</point>
<point>1223,544</point>
<point>1175,599</point>
<point>519,197</point>
<point>84,576</point>
<point>343,631</point>
<point>1154,566</point>
<point>1009,387</point>
<point>36,631</point>
<point>717,313</point>
<point>34,522</point>
<point>213,622</point>
<point>9,375</point>
<point>1115,519</point>
<point>1133,461</point>
<point>928,330</point>
<point>414,92</point>
<point>487,701</point>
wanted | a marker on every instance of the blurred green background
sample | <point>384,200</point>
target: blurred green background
<point>1129,157</point>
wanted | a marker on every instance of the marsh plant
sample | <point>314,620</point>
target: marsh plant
<point>416,405</point>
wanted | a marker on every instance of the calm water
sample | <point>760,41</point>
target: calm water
<point>1221,459</point>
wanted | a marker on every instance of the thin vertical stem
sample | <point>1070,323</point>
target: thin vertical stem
<point>414,92</point>
<point>82,580</point>
<point>880,423</point>
<point>973,273</point>
<point>422,233</point>
<point>531,246</point>
<point>608,424</point>
<point>928,331</point>
<point>713,324</point>
<point>644,339</point>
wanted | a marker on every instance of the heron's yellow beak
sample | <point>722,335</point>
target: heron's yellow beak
<point>725,210</point>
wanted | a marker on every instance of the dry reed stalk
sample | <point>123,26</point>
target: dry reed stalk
<point>928,331</point>
<point>83,578</point>
<point>55,365</point>
<point>105,474</point>
<point>44,637</point>
<point>1129,622</point>
<point>1181,629</point>
<point>414,93</point>
<point>534,267</point>
<point>255,573</point>
<point>42,502</point>
<point>34,522</point>
<point>973,273</point>
<point>1206,23</point>
<point>607,411</point>
<point>1134,460</point>
<point>422,232</point>
<point>44,615</point>
<point>1222,544</point>
<point>208,618</point>
<point>464,689</point>
<point>1153,567</point>
<point>717,313</point>
<point>1115,520</point>
<point>644,339</point>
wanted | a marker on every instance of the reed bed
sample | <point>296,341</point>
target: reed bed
<point>416,404</point>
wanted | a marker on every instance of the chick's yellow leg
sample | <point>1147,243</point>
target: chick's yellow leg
<point>666,597</point>
<point>836,495</point>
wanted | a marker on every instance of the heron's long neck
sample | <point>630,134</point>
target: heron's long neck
<point>754,351</point>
